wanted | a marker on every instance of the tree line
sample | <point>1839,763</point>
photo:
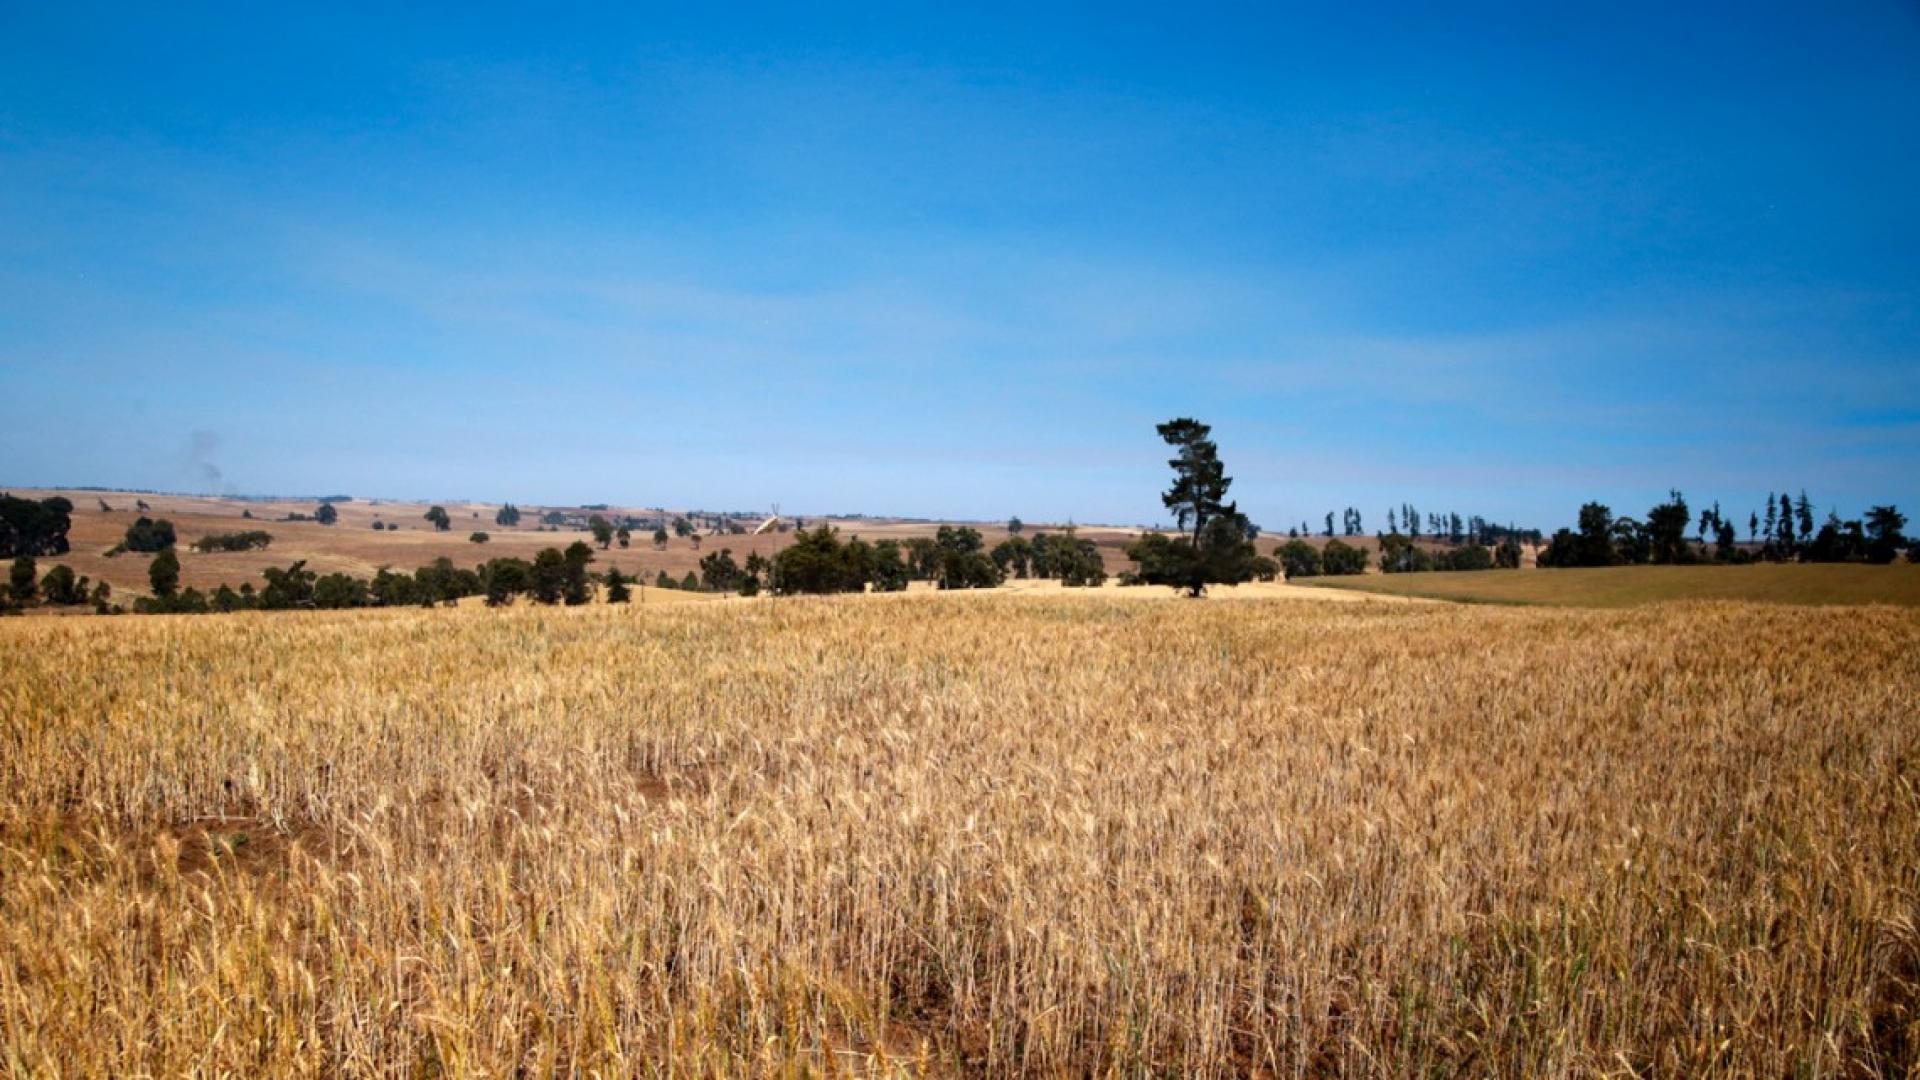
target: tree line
<point>1407,520</point>
<point>1788,534</point>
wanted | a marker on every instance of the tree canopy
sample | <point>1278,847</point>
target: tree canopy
<point>29,527</point>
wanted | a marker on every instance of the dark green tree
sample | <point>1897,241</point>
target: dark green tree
<point>438,516</point>
<point>1077,562</point>
<point>1400,555</point>
<point>28,527</point>
<point>889,569</point>
<point>1298,559</point>
<point>1219,549</point>
<point>325,514</point>
<point>146,534</point>
<point>963,562</point>
<point>61,587</point>
<point>338,590</point>
<point>478,538</point>
<point>578,588</point>
<point>549,576</point>
<point>719,573</point>
<point>1885,527</point>
<point>1632,542</point>
<point>1594,545</point>
<point>505,579</point>
<point>23,584</point>
<point>1014,555</point>
<point>817,562</point>
<point>617,591</point>
<point>1465,557</point>
<point>1341,558</point>
<point>602,530</point>
<point>289,588</point>
<point>163,573</point>
<point>1667,530</point>
<point>1200,481</point>
<point>507,516</point>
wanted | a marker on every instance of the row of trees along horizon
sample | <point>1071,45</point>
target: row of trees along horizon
<point>1215,544</point>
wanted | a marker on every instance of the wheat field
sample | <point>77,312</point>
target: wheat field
<point>963,836</point>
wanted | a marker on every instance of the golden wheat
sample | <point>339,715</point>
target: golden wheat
<point>962,835</point>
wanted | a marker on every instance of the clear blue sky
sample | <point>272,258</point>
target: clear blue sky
<point>916,261</point>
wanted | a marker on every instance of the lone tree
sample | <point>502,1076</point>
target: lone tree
<point>507,516</point>
<point>1220,549</point>
<point>438,515</point>
<point>659,536</point>
<point>326,514</point>
<point>602,530</point>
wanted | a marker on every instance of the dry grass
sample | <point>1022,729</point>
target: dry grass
<point>1629,586</point>
<point>966,835</point>
<point>353,547</point>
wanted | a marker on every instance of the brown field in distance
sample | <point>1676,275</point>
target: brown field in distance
<point>352,546</point>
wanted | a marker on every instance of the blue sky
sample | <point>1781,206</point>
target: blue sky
<point>906,260</point>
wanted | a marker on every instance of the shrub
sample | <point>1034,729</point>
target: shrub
<point>148,535</point>
<point>233,541</point>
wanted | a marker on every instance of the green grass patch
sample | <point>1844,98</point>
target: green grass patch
<point>1628,586</point>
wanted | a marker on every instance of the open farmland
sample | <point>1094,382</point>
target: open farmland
<point>352,546</point>
<point>1627,586</point>
<point>963,835</point>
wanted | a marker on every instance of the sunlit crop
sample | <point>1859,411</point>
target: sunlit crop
<point>983,835</point>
